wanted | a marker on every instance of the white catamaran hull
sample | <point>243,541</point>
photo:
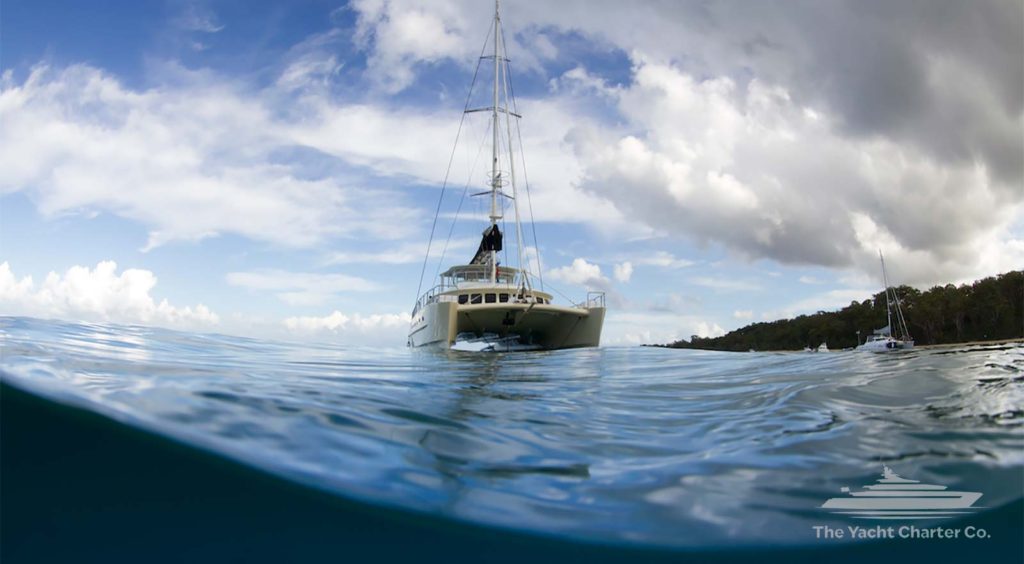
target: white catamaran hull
<point>886,345</point>
<point>889,338</point>
<point>545,325</point>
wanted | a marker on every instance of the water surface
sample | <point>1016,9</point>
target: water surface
<point>643,446</point>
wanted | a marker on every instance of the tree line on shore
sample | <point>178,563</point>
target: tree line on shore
<point>991,308</point>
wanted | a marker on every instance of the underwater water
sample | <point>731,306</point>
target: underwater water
<point>637,446</point>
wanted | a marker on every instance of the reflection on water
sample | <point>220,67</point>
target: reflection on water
<point>637,444</point>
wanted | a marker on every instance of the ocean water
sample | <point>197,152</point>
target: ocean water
<point>635,446</point>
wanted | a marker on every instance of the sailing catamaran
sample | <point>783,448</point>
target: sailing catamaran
<point>483,305</point>
<point>882,340</point>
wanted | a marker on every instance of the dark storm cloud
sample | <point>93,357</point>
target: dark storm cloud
<point>947,76</point>
<point>804,131</point>
<point>938,85</point>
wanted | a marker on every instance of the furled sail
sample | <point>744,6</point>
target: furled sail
<point>491,241</point>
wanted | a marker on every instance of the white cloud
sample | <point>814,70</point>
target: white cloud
<point>776,148</point>
<point>725,284</point>
<point>743,314</point>
<point>744,165</point>
<point>663,259</point>
<point>623,271</point>
<point>636,327</point>
<point>379,137</point>
<point>809,280</point>
<point>98,294</point>
<point>831,300</point>
<point>764,161</point>
<point>673,303</point>
<point>390,329</point>
<point>198,18</point>
<point>891,86</point>
<point>534,262</point>
<point>301,288</point>
<point>580,273</point>
<point>406,253</point>
<point>705,329</point>
<point>400,35</point>
<point>308,71</point>
<point>171,159</point>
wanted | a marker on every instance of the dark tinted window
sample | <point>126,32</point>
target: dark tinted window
<point>463,298</point>
<point>475,299</point>
<point>502,298</point>
<point>490,298</point>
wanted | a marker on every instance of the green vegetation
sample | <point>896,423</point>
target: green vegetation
<point>992,308</point>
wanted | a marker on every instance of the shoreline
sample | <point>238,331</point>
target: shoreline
<point>1011,340</point>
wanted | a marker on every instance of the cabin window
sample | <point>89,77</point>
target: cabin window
<point>475,298</point>
<point>490,298</point>
<point>463,298</point>
<point>502,298</point>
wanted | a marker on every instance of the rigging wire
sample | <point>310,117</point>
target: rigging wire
<point>520,262</point>
<point>465,189</point>
<point>448,170</point>
<point>501,203</point>
<point>504,230</point>
<point>522,156</point>
<point>559,292</point>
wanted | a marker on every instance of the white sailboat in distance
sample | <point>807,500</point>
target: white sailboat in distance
<point>485,305</point>
<point>883,340</point>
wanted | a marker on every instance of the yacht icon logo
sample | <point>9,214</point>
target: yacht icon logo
<point>895,497</point>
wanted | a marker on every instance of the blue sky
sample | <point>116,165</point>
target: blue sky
<point>272,168</point>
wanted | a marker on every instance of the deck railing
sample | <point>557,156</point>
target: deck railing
<point>428,297</point>
<point>594,299</point>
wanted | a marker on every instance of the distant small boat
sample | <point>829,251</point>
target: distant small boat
<point>895,497</point>
<point>823,347</point>
<point>882,340</point>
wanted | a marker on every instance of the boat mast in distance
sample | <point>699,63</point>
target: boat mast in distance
<point>883,340</point>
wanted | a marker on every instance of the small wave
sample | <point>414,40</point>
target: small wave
<point>638,445</point>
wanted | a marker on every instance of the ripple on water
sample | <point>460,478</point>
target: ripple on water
<point>646,445</point>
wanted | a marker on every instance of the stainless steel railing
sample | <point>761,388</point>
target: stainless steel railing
<point>595,299</point>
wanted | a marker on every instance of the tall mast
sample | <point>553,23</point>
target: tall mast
<point>885,281</point>
<point>495,175</point>
<point>524,277</point>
